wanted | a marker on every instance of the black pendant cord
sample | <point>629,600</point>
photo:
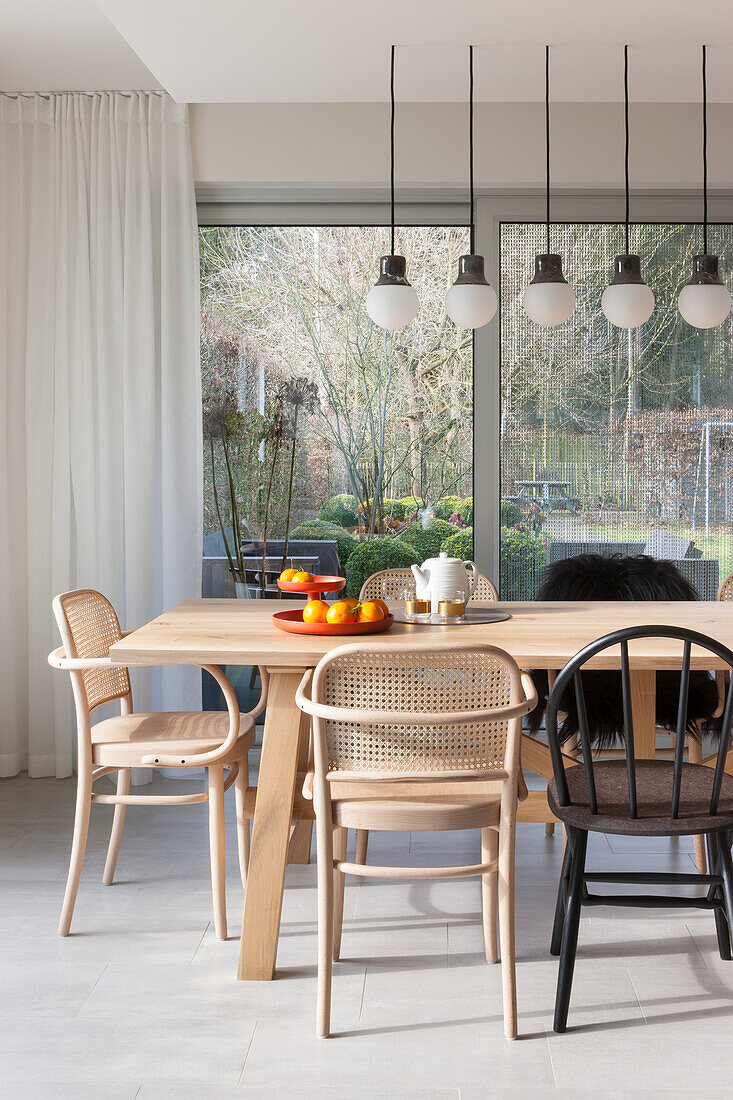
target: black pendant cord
<point>626,151</point>
<point>547,140</point>
<point>391,149</point>
<point>704,151</point>
<point>472,245</point>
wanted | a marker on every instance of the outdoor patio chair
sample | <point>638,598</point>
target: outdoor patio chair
<point>215,740</point>
<point>637,797</point>
<point>409,739</point>
<point>392,584</point>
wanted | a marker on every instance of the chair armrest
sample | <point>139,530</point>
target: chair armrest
<point>57,659</point>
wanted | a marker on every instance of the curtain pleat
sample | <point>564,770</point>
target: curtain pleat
<point>100,405</point>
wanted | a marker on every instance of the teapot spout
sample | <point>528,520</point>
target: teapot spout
<point>422,579</point>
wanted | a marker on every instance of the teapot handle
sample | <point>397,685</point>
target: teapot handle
<point>471,568</point>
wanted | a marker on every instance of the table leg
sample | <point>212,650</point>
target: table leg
<point>643,711</point>
<point>271,829</point>
<point>301,831</point>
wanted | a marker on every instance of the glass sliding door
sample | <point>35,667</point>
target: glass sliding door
<point>321,431</point>
<point>613,440</point>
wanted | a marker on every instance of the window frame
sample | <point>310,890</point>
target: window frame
<point>219,204</point>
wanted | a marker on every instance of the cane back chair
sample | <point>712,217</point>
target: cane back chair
<point>392,584</point>
<point>409,739</point>
<point>216,740</point>
<point>638,797</point>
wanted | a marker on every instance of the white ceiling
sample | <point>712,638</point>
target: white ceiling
<point>64,45</point>
<point>338,50</point>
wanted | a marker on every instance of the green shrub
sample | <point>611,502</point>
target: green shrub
<point>522,557</point>
<point>395,508</point>
<point>412,504</point>
<point>466,510</point>
<point>317,529</point>
<point>340,509</point>
<point>510,513</point>
<point>446,506</point>
<point>373,555</point>
<point>427,541</point>
<point>460,545</point>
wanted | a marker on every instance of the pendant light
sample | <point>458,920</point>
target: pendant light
<point>471,301</point>
<point>705,301</point>
<point>627,302</point>
<point>392,303</point>
<point>548,299</point>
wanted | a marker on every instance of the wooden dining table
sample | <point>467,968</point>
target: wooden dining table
<point>537,635</point>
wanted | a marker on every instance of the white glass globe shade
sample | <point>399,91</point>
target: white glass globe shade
<point>627,305</point>
<point>704,305</point>
<point>471,305</point>
<point>392,306</point>
<point>549,304</point>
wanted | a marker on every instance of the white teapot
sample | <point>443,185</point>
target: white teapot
<point>439,577</point>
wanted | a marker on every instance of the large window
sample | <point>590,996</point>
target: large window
<point>607,436</point>
<point>317,424</point>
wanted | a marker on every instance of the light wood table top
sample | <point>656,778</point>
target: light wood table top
<point>538,635</point>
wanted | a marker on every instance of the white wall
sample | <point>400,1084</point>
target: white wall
<point>265,146</point>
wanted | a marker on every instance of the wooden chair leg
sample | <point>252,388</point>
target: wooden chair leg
<point>362,843</point>
<point>340,840</point>
<point>489,889</point>
<point>217,852</point>
<point>579,841</point>
<point>118,824</point>
<point>78,846</point>
<point>506,918</point>
<point>561,903</point>
<point>241,783</point>
<point>324,839</point>
<point>694,755</point>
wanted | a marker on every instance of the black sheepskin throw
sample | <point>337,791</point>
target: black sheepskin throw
<point>596,577</point>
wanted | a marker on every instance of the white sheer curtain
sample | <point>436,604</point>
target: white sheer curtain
<point>100,410</point>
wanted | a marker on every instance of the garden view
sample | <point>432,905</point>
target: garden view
<point>318,425</point>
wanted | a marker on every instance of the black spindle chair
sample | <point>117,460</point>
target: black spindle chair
<point>637,797</point>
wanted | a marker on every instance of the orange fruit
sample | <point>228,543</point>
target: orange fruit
<point>288,574</point>
<point>350,602</point>
<point>315,611</point>
<point>382,604</point>
<point>369,612</point>
<point>341,612</point>
<point>302,577</point>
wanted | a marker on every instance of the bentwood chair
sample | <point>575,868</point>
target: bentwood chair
<point>637,797</point>
<point>391,584</point>
<point>216,740</point>
<point>409,739</point>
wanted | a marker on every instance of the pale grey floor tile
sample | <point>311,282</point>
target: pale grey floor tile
<point>69,1090</point>
<point>446,1054</point>
<point>136,1050</point>
<point>29,989</point>
<point>416,1008</point>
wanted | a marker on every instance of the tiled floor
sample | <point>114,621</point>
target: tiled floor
<point>141,1000</point>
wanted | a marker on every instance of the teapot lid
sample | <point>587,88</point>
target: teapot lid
<point>443,559</point>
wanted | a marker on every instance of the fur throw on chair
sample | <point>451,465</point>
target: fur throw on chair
<point>596,577</point>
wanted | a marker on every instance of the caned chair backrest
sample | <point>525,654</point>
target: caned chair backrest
<point>572,672</point>
<point>392,584</point>
<point>88,625</point>
<point>386,710</point>
<point>725,591</point>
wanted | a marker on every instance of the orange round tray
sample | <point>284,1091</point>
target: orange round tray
<point>292,621</point>
<point>314,588</point>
